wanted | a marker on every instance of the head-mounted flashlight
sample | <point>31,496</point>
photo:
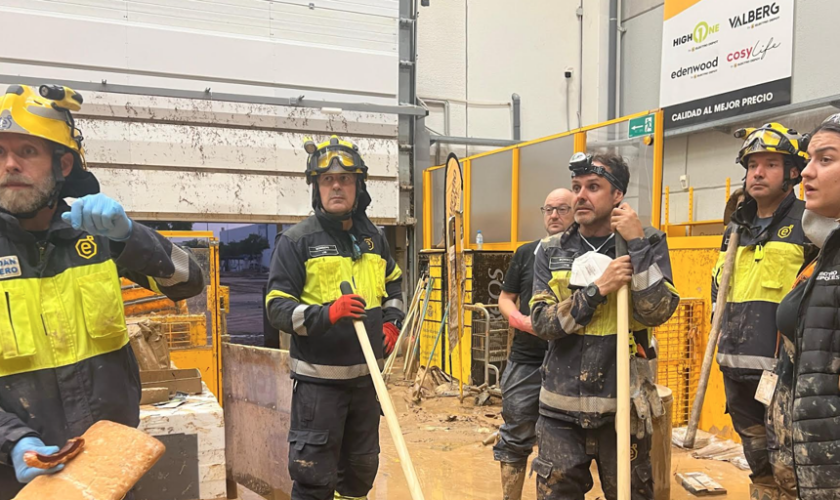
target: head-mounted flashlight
<point>581,164</point>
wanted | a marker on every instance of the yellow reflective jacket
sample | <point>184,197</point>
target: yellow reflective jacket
<point>579,379</point>
<point>766,266</point>
<point>65,361</point>
<point>307,267</point>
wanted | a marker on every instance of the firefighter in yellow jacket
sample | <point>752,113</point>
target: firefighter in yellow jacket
<point>771,252</point>
<point>334,432</point>
<point>65,359</point>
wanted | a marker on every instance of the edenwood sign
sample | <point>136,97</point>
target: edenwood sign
<point>722,58</point>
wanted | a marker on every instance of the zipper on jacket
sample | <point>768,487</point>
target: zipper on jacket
<point>42,250</point>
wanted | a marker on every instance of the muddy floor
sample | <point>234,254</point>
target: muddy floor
<point>444,438</point>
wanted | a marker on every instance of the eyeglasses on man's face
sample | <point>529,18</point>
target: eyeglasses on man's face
<point>561,210</point>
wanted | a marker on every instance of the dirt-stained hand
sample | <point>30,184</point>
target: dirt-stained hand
<point>626,222</point>
<point>617,274</point>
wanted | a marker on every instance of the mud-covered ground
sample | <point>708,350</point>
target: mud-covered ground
<point>444,439</point>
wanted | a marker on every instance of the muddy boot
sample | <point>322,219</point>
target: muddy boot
<point>764,492</point>
<point>513,478</point>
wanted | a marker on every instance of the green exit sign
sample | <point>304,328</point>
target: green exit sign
<point>640,126</point>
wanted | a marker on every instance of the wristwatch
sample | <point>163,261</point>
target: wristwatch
<point>593,295</point>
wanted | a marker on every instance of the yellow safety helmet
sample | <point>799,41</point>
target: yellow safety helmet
<point>774,138</point>
<point>45,112</point>
<point>333,155</point>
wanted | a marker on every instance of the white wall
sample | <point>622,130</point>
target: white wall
<point>476,53</point>
<point>708,158</point>
<point>242,46</point>
<point>181,159</point>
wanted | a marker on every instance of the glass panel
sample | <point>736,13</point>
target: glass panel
<point>639,157</point>
<point>188,323</point>
<point>438,208</point>
<point>490,197</point>
<point>543,167</point>
<point>198,305</point>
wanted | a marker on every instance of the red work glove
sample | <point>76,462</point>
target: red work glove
<point>520,322</point>
<point>391,333</point>
<point>347,306</point>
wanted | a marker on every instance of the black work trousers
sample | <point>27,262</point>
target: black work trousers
<point>333,440</point>
<point>566,452</point>
<point>748,418</point>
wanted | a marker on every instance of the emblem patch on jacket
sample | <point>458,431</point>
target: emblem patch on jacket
<point>369,242</point>
<point>86,247</point>
<point>9,267</point>
<point>784,232</point>
<point>828,276</point>
<point>323,250</point>
<point>560,263</point>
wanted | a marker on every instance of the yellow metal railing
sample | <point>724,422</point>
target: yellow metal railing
<point>580,143</point>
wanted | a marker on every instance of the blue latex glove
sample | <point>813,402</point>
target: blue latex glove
<point>97,214</point>
<point>25,473</point>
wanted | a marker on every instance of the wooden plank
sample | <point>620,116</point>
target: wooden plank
<point>258,401</point>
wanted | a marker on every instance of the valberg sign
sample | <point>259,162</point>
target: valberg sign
<point>755,15</point>
<point>722,58</point>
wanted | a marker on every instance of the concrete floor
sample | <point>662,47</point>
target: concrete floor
<point>444,439</point>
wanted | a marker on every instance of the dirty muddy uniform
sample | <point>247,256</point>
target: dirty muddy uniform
<point>779,426</point>
<point>578,396</point>
<point>771,253</point>
<point>815,399</point>
<point>521,381</point>
<point>65,358</point>
<point>334,432</point>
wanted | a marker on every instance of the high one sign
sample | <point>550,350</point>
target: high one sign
<point>722,58</point>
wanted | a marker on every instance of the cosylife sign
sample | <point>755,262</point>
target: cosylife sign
<point>722,58</point>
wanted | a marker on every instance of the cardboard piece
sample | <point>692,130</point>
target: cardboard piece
<point>186,380</point>
<point>700,484</point>
<point>114,459</point>
<point>154,395</point>
<point>150,345</point>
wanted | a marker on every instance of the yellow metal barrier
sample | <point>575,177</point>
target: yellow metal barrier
<point>683,338</point>
<point>692,260</point>
<point>195,326</point>
<point>616,138</point>
<point>680,354</point>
